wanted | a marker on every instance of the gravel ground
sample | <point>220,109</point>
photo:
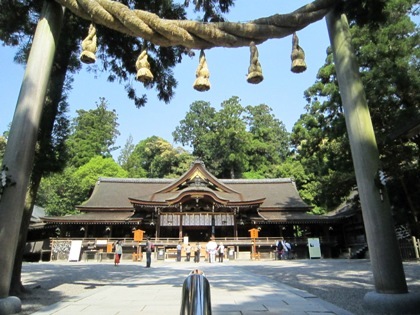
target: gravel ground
<point>340,282</point>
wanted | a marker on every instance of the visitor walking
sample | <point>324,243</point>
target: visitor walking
<point>188,252</point>
<point>178,251</point>
<point>197,253</point>
<point>118,253</point>
<point>149,248</point>
<point>286,249</point>
<point>279,249</point>
<point>211,250</point>
<point>221,251</point>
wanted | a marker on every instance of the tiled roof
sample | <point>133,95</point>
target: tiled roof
<point>114,193</point>
<point>115,199</point>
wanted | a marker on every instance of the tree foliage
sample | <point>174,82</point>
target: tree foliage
<point>154,157</point>
<point>235,141</point>
<point>59,193</point>
<point>126,151</point>
<point>94,132</point>
<point>270,144</point>
<point>88,174</point>
<point>388,54</point>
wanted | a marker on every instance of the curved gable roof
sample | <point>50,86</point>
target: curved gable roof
<point>123,194</point>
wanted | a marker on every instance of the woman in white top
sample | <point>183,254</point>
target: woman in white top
<point>118,253</point>
<point>211,250</point>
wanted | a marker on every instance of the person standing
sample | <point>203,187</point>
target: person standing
<point>178,251</point>
<point>211,250</point>
<point>287,247</point>
<point>149,247</point>
<point>197,253</point>
<point>188,252</point>
<point>118,253</point>
<point>221,251</point>
<point>279,249</point>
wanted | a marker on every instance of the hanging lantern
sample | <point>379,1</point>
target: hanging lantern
<point>202,82</point>
<point>143,68</point>
<point>255,75</point>
<point>298,56</point>
<point>89,46</point>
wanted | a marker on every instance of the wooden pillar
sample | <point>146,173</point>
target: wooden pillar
<point>213,228</point>
<point>180,226</point>
<point>235,224</point>
<point>20,149</point>
<point>158,224</point>
<point>388,273</point>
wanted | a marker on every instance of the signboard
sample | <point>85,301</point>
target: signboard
<point>253,233</point>
<point>75,248</point>
<point>314,248</point>
<point>138,235</point>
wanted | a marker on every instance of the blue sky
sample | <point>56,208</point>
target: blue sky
<point>281,89</point>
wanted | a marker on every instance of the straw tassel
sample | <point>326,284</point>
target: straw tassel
<point>255,75</point>
<point>202,82</point>
<point>143,68</point>
<point>89,46</point>
<point>298,56</point>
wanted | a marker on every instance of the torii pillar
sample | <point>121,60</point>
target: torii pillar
<point>391,294</point>
<point>20,149</point>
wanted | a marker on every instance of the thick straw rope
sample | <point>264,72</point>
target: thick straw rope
<point>192,34</point>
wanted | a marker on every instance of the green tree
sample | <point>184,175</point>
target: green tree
<point>59,193</point>
<point>235,141</point>
<point>387,51</point>
<point>197,129</point>
<point>231,142</point>
<point>270,140</point>
<point>154,157</point>
<point>126,151</point>
<point>87,175</point>
<point>93,133</point>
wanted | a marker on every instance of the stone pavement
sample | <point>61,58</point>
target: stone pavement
<point>158,291</point>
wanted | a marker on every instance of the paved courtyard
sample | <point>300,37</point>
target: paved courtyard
<point>237,287</point>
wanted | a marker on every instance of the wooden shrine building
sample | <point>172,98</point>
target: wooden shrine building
<point>197,205</point>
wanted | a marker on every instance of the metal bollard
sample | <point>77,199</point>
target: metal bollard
<point>196,295</point>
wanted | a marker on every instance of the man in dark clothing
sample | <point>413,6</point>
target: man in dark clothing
<point>279,249</point>
<point>149,246</point>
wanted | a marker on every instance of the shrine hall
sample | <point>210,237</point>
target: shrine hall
<point>196,207</point>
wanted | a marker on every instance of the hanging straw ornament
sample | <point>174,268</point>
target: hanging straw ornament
<point>202,82</point>
<point>89,46</point>
<point>255,75</point>
<point>143,68</point>
<point>298,56</point>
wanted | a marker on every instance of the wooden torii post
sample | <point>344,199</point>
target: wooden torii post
<point>391,295</point>
<point>20,150</point>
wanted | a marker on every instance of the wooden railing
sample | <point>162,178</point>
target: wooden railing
<point>172,242</point>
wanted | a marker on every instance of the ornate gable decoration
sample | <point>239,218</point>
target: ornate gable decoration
<point>197,189</point>
<point>197,177</point>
